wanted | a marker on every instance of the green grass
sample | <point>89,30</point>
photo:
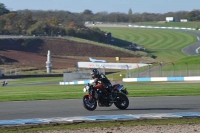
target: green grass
<point>65,127</point>
<point>166,45</point>
<point>40,92</point>
<point>55,91</point>
<point>186,63</point>
<point>189,60</point>
<point>106,45</point>
<point>36,80</point>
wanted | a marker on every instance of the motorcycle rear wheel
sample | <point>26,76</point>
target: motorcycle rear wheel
<point>89,104</point>
<point>122,101</point>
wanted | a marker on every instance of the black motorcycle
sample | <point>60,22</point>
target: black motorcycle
<point>99,95</point>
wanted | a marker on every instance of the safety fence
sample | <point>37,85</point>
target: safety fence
<point>80,74</point>
<point>14,71</point>
<point>159,70</point>
<point>165,70</point>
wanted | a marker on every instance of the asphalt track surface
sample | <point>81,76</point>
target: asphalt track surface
<point>74,107</point>
<point>191,49</point>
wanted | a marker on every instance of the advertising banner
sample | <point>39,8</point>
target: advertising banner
<point>110,65</point>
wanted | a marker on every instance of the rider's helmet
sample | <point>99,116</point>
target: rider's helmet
<point>94,73</point>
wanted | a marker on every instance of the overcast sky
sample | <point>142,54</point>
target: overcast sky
<point>137,6</point>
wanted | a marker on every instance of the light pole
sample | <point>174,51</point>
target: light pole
<point>127,70</point>
<point>149,69</point>
<point>138,70</point>
<point>161,69</point>
<point>186,68</point>
<point>104,70</point>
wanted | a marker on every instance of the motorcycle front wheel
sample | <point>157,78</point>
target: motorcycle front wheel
<point>122,101</point>
<point>89,104</point>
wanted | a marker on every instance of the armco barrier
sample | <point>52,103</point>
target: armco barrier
<point>159,27</point>
<point>76,82</point>
<point>98,118</point>
<point>195,78</point>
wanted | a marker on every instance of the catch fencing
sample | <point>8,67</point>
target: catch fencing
<point>165,70</point>
<point>9,72</point>
<point>80,74</point>
<point>162,70</point>
<point>159,70</point>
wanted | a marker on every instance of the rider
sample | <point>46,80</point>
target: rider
<point>102,79</point>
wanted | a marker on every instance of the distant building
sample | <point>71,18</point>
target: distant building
<point>169,19</point>
<point>162,22</point>
<point>184,20</point>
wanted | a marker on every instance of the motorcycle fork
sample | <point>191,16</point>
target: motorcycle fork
<point>90,97</point>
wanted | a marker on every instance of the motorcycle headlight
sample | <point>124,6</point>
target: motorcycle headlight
<point>86,88</point>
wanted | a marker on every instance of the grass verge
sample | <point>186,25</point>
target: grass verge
<point>165,45</point>
<point>102,124</point>
<point>53,91</point>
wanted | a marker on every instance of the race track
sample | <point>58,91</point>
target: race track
<point>192,49</point>
<point>71,108</point>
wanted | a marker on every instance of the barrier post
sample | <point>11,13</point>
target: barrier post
<point>149,70</point>
<point>160,69</point>
<point>186,68</point>
<point>173,69</point>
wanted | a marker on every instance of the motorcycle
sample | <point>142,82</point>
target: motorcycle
<point>99,95</point>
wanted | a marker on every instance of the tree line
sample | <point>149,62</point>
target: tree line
<point>60,22</point>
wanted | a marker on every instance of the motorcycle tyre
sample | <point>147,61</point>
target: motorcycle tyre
<point>85,104</point>
<point>124,97</point>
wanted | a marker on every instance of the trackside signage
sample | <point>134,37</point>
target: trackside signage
<point>110,65</point>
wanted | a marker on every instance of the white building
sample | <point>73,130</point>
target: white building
<point>169,19</point>
<point>184,20</point>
